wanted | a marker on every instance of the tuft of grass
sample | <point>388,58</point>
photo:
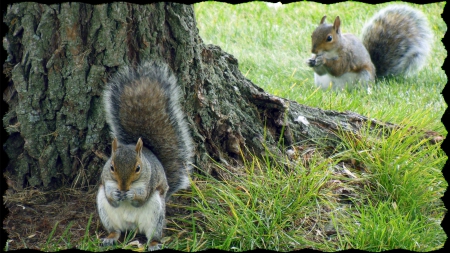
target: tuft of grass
<point>404,209</point>
<point>271,205</point>
<point>53,244</point>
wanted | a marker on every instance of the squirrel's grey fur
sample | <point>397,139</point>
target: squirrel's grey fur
<point>168,139</point>
<point>398,39</point>
<point>152,151</point>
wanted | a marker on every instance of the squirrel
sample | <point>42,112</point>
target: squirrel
<point>396,41</point>
<point>152,151</point>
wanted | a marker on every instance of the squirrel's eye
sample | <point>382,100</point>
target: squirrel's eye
<point>112,168</point>
<point>138,168</point>
<point>329,38</point>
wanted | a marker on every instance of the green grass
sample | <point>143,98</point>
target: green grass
<point>403,200</point>
<point>372,194</point>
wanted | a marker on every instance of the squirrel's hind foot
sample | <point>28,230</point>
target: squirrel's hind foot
<point>111,239</point>
<point>154,245</point>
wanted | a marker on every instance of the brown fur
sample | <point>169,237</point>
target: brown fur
<point>344,53</point>
<point>125,165</point>
<point>143,103</point>
<point>144,111</point>
<point>151,152</point>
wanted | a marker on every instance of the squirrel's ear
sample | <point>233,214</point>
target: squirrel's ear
<point>323,20</point>
<point>114,145</point>
<point>139,145</point>
<point>337,25</point>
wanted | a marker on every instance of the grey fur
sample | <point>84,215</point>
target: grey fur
<point>182,153</point>
<point>152,156</point>
<point>398,39</point>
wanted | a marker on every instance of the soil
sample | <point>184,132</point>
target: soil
<point>34,216</point>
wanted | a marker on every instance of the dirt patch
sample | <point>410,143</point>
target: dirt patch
<point>35,214</point>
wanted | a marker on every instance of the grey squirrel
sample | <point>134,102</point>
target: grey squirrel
<point>396,41</point>
<point>152,151</point>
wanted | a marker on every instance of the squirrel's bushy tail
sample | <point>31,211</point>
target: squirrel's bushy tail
<point>398,39</point>
<point>144,102</point>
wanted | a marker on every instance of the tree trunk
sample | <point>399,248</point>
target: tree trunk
<point>61,55</point>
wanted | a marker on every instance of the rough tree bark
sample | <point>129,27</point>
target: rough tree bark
<point>61,55</point>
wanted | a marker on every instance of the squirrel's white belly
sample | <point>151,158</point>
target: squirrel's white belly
<point>348,79</point>
<point>127,217</point>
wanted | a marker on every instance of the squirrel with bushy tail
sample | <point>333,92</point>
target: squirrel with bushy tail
<point>396,41</point>
<point>151,155</point>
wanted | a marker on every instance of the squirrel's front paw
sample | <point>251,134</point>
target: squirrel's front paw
<point>116,195</point>
<point>311,62</point>
<point>114,198</point>
<point>319,60</point>
<point>129,195</point>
